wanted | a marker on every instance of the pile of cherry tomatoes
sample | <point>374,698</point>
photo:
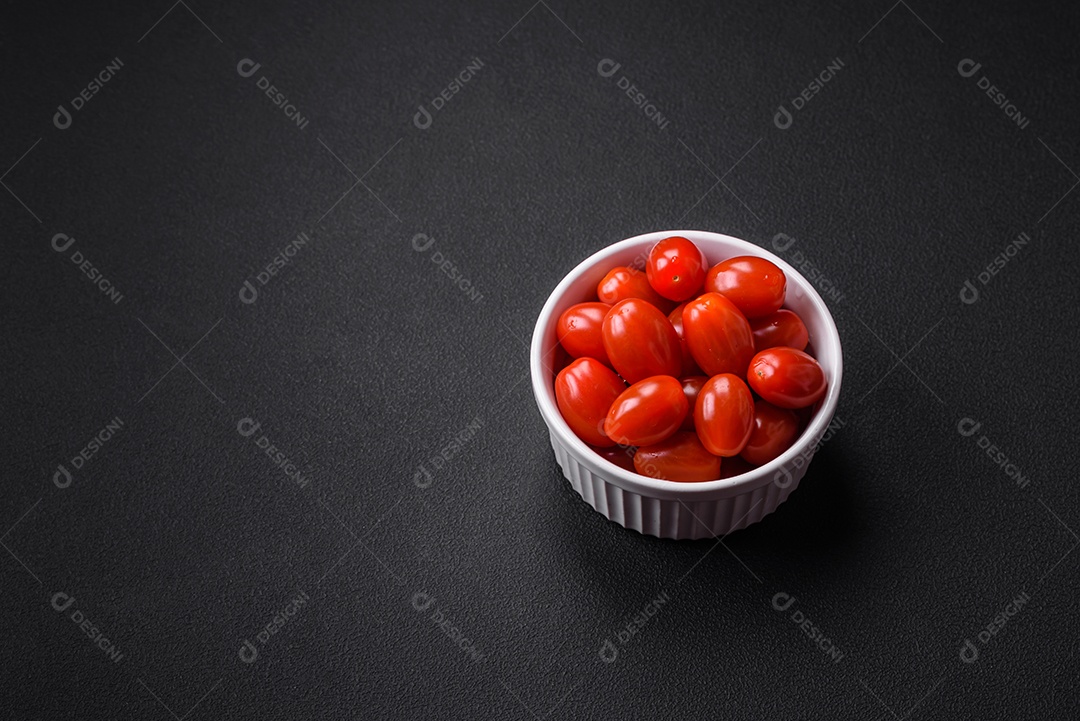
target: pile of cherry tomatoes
<point>675,368</point>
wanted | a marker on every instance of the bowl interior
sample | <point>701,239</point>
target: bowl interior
<point>580,286</point>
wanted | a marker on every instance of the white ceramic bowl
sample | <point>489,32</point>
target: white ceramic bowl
<point>670,509</point>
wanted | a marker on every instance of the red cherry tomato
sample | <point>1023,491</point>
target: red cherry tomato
<point>619,455</point>
<point>676,268</point>
<point>621,283</point>
<point>756,286</point>
<point>782,328</point>
<point>689,367</point>
<point>724,415</point>
<point>775,429</point>
<point>718,335</point>
<point>679,458</point>
<point>580,331</point>
<point>585,390</point>
<point>691,387</point>
<point>787,377</point>
<point>647,412</point>
<point>640,341</point>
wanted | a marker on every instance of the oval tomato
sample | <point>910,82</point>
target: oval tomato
<point>581,331</point>
<point>689,367</point>
<point>756,286</point>
<point>647,412</point>
<point>640,341</point>
<point>691,387</point>
<point>724,415</point>
<point>622,282</point>
<point>718,335</point>
<point>787,377</point>
<point>585,390</point>
<point>775,429</point>
<point>679,458</point>
<point>676,268</point>
<point>619,455</point>
<point>782,328</point>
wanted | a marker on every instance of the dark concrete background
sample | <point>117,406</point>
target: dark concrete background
<point>362,359</point>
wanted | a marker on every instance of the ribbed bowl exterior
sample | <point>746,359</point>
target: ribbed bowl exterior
<point>676,519</point>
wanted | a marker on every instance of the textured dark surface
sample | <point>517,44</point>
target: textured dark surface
<point>181,180</point>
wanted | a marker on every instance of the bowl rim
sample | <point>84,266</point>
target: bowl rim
<point>644,485</point>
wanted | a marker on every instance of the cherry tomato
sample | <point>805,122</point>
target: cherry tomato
<point>679,458</point>
<point>676,268</point>
<point>718,335</point>
<point>647,412</point>
<point>689,367</point>
<point>585,390</point>
<point>580,331</point>
<point>724,415</point>
<point>640,341</point>
<point>787,377</point>
<point>619,455</point>
<point>621,283</point>
<point>755,285</point>
<point>782,328</point>
<point>691,387</point>
<point>775,429</point>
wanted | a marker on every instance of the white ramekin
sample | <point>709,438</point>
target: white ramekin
<point>670,509</point>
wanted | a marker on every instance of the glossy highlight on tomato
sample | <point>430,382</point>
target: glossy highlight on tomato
<point>755,285</point>
<point>679,458</point>
<point>774,430</point>
<point>676,268</point>
<point>647,412</point>
<point>724,415</point>
<point>584,392</point>
<point>718,335</point>
<point>640,341</point>
<point>787,377</point>
<point>623,282</point>
<point>782,328</point>
<point>580,331</point>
